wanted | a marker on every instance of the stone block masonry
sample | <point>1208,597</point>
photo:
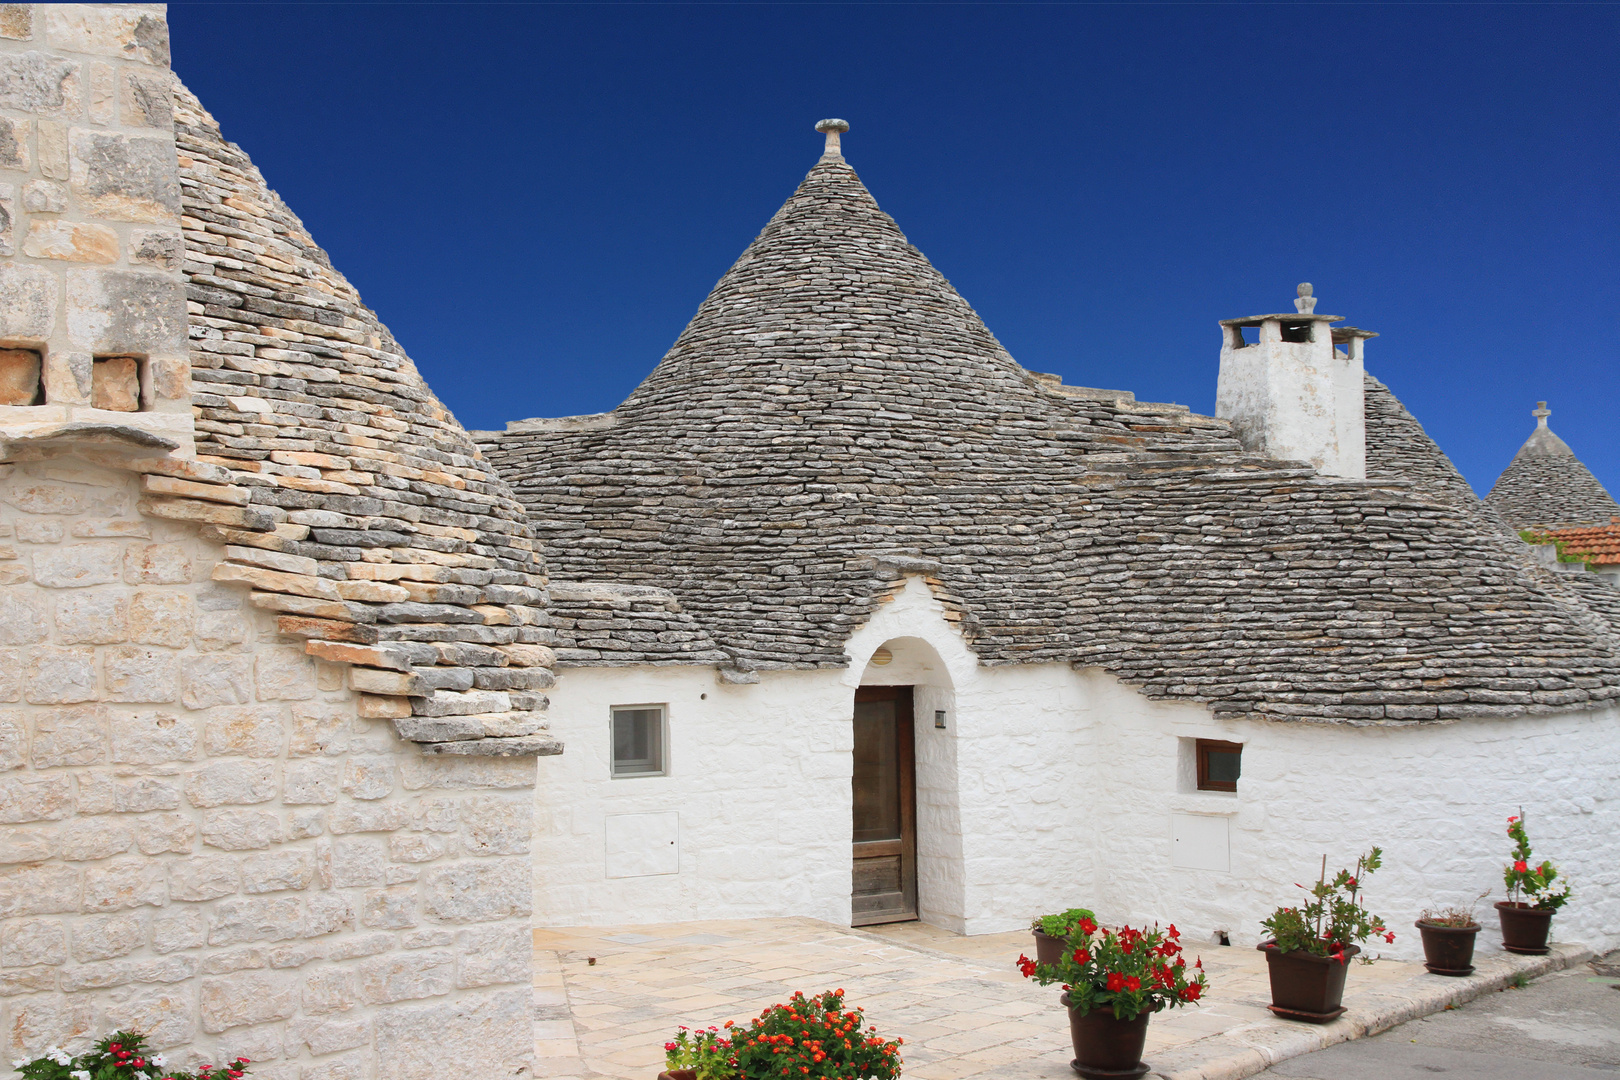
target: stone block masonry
<point>268,705</point>
<point>92,304</point>
<point>201,838</point>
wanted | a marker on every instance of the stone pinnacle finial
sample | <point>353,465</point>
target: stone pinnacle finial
<point>833,128</point>
<point>1541,412</point>
<point>1306,302</point>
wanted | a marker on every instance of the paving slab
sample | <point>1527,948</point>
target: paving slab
<point>959,1002</point>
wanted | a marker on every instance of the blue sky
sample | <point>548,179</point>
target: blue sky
<point>535,198</point>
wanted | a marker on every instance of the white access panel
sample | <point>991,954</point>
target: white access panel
<point>643,845</point>
<point>1200,842</point>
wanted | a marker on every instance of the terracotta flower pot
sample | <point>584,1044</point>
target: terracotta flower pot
<point>1048,949</point>
<point>1448,950</point>
<point>1524,928</point>
<point>678,1074</point>
<point>1305,986</point>
<point>1106,1047</point>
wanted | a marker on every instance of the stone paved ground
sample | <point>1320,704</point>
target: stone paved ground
<point>958,1002</point>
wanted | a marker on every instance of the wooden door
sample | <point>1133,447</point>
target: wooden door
<point>885,790</point>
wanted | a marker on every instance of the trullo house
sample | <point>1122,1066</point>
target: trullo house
<point>858,619</point>
<point>843,614</point>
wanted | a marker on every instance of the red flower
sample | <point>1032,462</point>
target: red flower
<point>669,1046</point>
<point>1521,867</point>
<point>1081,956</point>
<point>1116,981</point>
<point>1351,883</point>
<point>1191,992</point>
<point>1173,932</point>
<point>1026,965</point>
<point>1390,937</point>
<point>1087,927</point>
<point>1133,983</point>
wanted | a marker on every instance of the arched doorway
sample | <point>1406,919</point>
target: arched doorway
<point>900,718</point>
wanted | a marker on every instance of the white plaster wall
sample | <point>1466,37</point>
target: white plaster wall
<point>1296,401</point>
<point>759,776</point>
<point>1435,797</point>
<point>1051,788</point>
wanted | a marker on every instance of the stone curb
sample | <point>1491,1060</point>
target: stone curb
<point>1253,1048</point>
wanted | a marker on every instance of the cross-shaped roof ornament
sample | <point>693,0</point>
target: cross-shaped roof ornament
<point>1541,412</point>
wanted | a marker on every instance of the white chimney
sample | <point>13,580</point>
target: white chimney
<point>1290,394</point>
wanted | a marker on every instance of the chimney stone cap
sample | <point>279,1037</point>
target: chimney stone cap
<point>1288,316</point>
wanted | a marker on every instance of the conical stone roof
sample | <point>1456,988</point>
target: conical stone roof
<point>1546,485</point>
<point>418,566</point>
<point>836,416</point>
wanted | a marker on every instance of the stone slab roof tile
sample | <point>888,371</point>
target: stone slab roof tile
<point>835,408</point>
<point>368,520</point>
<point>1546,485</point>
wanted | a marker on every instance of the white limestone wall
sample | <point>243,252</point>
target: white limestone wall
<point>199,837</point>
<point>1051,788</point>
<point>1435,797</point>
<point>756,801</point>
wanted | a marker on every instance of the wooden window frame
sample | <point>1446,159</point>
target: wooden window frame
<point>1201,751</point>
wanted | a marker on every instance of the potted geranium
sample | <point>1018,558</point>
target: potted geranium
<point>1051,931</point>
<point>1527,922</point>
<point>704,1054</point>
<point>1114,981</point>
<point>808,1038</point>
<point>123,1055</point>
<point>1311,945</point>
<point>1448,940</point>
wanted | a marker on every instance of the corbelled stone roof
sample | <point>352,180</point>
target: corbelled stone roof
<point>1546,485</point>
<point>835,417</point>
<point>370,523</point>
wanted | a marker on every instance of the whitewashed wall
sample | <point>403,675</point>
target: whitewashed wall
<point>757,800</point>
<point>1435,797</point>
<point>1050,788</point>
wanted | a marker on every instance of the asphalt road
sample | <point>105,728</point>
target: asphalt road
<point>1564,1026</point>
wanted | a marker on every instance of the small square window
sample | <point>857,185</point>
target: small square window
<point>638,741</point>
<point>1219,764</point>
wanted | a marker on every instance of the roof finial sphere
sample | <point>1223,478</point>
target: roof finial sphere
<point>832,129</point>
<point>1306,302</point>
